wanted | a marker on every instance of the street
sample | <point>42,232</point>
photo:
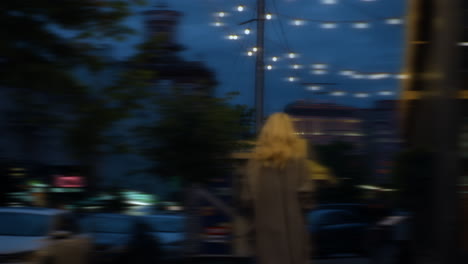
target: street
<point>342,261</point>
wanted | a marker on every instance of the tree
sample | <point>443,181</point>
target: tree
<point>46,40</point>
<point>193,138</point>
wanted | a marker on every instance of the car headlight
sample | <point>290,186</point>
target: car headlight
<point>18,257</point>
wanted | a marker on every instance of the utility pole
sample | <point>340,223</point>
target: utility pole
<point>260,65</point>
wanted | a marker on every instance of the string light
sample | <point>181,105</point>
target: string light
<point>361,95</point>
<point>347,73</point>
<point>221,14</point>
<point>319,66</point>
<point>298,22</point>
<point>357,76</point>
<point>338,93</point>
<point>361,25</point>
<point>233,37</point>
<point>385,93</point>
<point>329,25</point>
<point>292,55</point>
<point>329,2</point>
<point>394,21</point>
<point>296,66</point>
<point>402,76</point>
<point>319,72</point>
<point>314,88</point>
<point>378,76</point>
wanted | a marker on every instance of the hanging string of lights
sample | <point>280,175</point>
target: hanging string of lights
<point>297,69</point>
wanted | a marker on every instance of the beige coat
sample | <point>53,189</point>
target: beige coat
<point>278,199</point>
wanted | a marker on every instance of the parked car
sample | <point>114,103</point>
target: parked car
<point>169,230</point>
<point>337,231</point>
<point>40,235</point>
<point>111,235</point>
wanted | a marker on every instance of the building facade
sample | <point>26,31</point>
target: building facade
<point>383,140</point>
<point>324,123</point>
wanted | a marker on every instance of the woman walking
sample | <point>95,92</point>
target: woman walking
<point>278,189</point>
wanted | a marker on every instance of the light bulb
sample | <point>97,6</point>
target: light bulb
<point>247,31</point>
<point>292,55</point>
<point>361,95</point>
<point>314,88</point>
<point>268,16</point>
<point>394,21</point>
<point>385,93</point>
<point>298,22</point>
<point>319,72</point>
<point>329,25</point>
<point>338,93</point>
<point>269,67</point>
<point>240,8</point>
<point>319,66</point>
<point>274,58</point>
<point>329,2</point>
<point>361,25</point>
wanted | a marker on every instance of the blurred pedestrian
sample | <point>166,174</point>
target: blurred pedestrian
<point>278,189</point>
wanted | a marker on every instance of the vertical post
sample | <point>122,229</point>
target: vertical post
<point>260,65</point>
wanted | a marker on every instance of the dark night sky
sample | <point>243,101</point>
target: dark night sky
<point>372,50</point>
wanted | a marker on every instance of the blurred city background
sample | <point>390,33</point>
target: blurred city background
<point>125,124</point>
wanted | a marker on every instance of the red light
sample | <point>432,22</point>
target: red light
<point>69,181</point>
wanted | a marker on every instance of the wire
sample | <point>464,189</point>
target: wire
<point>283,32</point>
<point>336,21</point>
<point>283,43</point>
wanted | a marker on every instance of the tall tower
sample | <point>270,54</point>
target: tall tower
<point>162,22</point>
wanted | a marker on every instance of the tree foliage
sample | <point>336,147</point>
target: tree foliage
<point>194,137</point>
<point>43,42</point>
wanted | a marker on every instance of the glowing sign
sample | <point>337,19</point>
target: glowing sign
<point>62,181</point>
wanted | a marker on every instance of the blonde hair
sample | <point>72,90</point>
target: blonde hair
<point>278,142</point>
